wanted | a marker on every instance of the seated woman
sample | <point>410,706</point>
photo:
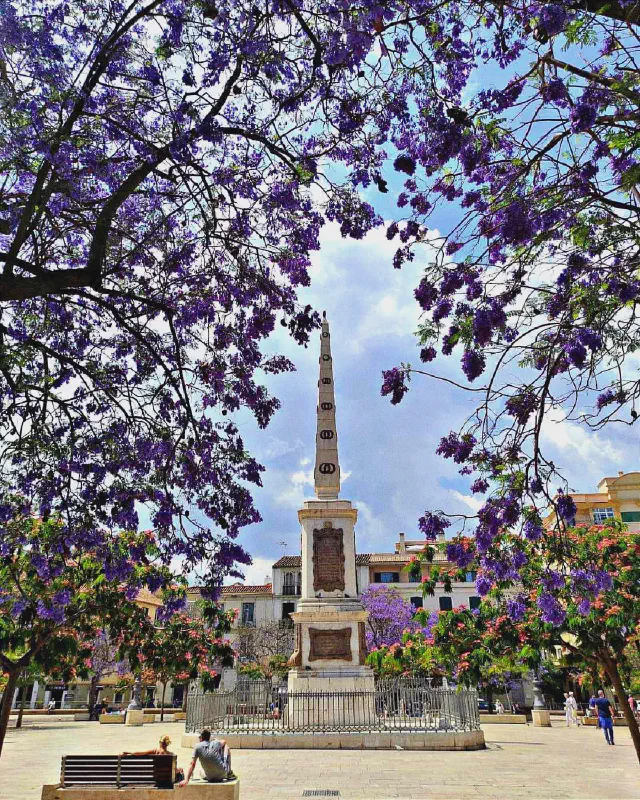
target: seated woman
<point>161,750</point>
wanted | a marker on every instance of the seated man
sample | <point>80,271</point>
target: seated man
<point>215,760</point>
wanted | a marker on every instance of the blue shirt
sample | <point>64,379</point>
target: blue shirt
<point>604,707</point>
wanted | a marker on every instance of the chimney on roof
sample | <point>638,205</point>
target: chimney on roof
<point>620,473</point>
<point>401,547</point>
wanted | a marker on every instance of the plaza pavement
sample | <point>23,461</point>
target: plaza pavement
<point>520,762</point>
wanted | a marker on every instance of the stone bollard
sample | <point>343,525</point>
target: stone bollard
<point>134,716</point>
<point>541,718</point>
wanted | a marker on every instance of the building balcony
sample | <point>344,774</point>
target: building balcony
<point>292,591</point>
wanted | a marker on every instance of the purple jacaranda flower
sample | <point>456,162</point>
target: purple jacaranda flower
<point>405,163</point>
<point>457,447</point>
<point>394,384</point>
<point>532,530</point>
<point>433,525</point>
<point>483,585</point>
<point>473,364</point>
<point>583,116</point>
<point>565,507</point>
<point>552,611</point>
<point>516,608</point>
<point>427,354</point>
<point>584,606</point>
<point>426,294</point>
<point>553,18</point>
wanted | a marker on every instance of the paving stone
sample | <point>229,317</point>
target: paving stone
<point>520,762</point>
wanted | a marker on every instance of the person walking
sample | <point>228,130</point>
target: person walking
<point>605,716</point>
<point>573,706</point>
<point>568,717</point>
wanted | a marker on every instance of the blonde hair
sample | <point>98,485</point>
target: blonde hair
<point>165,740</point>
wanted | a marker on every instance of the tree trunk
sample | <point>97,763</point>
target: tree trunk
<point>490,699</point>
<point>164,689</point>
<point>185,696</point>
<point>5,710</point>
<point>612,671</point>
<point>92,697</point>
<point>22,699</point>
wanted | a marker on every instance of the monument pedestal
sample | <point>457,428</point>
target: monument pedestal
<point>340,698</point>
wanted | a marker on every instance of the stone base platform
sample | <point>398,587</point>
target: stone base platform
<point>503,719</point>
<point>376,740</point>
<point>195,790</point>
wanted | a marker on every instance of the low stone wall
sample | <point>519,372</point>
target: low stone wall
<point>618,721</point>
<point>376,740</point>
<point>503,719</point>
<point>37,712</point>
<point>111,719</point>
<point>196,790</point>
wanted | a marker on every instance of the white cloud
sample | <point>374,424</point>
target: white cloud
<point>474,503</point>
<point>573,440</point>
<point>275,447</point>
<point>293,493</point>
<point>255,574</point>
<point>372,535</point>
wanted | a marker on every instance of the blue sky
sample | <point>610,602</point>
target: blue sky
<point>387,453</point>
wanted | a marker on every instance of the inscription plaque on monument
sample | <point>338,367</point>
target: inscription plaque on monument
<point>328,560</point>
<point>330,644</point>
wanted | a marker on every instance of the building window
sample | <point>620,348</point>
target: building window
<point>602,514</point>
<point>630,516</point>
<point>470,577</point>
<point>417,602</point>
<point>386,577</point>
<point>288,608</point>
<point>474,602</point>
<point>292,584</point>
<point>248,611</point>
<point>446,604</point>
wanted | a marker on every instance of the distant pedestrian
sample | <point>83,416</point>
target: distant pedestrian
<point>633,704</point>
<point>605,716</point>
<point>574,710</point>
<point>499,707</point>
<point>51,706</point>
<point>567,709</point>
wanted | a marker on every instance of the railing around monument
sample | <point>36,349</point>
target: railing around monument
<point>260,706</point>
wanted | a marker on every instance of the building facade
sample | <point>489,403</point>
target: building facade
<point>616,498</point>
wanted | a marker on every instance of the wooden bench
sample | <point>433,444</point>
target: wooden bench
<point>118,771</point>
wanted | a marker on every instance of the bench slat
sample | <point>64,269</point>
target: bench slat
<point>106,770</point>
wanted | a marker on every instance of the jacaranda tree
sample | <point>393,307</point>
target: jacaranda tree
<point>530,142</point>
<point>56,600</point>
<point>389,615</point>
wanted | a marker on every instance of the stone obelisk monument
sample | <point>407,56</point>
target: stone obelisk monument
<point>329,623</point>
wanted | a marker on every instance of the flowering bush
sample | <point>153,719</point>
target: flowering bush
<point>186,647</point>
<point>578,593</point>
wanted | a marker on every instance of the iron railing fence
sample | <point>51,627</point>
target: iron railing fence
<point>262,706</point>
